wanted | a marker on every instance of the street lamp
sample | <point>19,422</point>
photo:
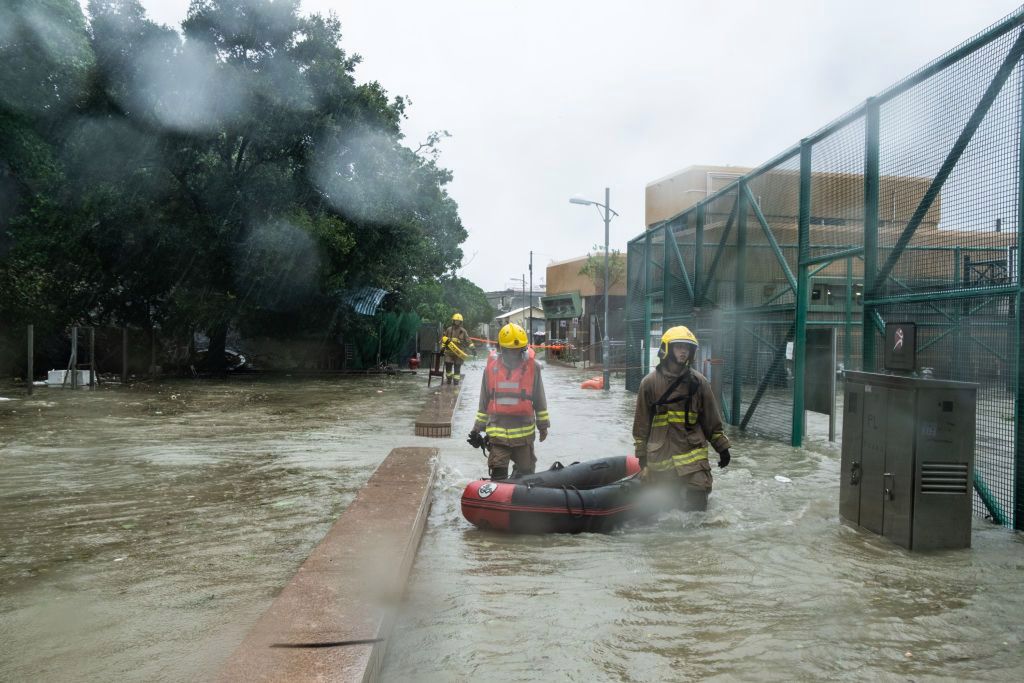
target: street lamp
<point>607,220</point>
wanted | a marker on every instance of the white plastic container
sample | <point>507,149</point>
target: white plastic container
<point>56,378</point>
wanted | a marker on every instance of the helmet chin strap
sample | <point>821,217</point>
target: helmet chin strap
<point>672,363</point>
<point>513,354</point>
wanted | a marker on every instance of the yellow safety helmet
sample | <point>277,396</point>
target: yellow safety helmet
<point>678,335</point>
<point>512,336</point>
<point>457,317</point>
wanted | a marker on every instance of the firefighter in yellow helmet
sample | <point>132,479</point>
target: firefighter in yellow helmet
<point>512,406</point>
<point>456,335</point>
<point>676,417</point>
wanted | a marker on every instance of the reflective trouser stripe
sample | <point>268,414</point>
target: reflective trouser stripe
<point>511,433</point>
<point>688,458</point>
<point>675,417</point>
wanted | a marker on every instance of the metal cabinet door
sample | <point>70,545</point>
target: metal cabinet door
<point>945,469</point>
<point>898,476</point>
<point>850,468</point>
<point>873,457</point>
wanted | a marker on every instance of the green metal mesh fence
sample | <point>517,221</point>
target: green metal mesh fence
<point>907,209</point>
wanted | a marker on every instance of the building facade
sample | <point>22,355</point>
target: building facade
<point>574,307</point>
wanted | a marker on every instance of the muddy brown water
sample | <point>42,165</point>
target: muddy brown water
<point>144,529</point>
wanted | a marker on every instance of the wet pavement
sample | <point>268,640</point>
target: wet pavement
<point>143,530</point>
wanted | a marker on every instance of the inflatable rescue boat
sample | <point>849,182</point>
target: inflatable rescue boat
<point>597,495</point>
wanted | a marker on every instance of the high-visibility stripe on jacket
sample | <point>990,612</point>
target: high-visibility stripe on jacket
<point>510,390</point>
<point>511,433</point>
<point>675,417</point>
<point>679,460</point>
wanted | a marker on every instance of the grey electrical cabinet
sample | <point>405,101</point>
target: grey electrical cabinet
<point>429,338</point>
<point>908,459</point>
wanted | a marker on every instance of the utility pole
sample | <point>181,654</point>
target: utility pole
<point>529,331</point>
<point>605,355</point>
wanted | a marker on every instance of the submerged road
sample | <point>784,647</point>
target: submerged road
<point>766,585</point>
<point>144,530</point>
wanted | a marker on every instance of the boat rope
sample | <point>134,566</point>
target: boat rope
<point>568,507</point>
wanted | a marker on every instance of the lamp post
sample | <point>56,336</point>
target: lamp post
<point>607,221</point>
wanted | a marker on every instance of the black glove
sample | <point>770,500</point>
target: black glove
<point>724,458</point>
<point>476,439</point>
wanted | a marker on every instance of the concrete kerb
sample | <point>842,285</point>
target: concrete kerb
<point>333,619</point>
<point>435,419</point>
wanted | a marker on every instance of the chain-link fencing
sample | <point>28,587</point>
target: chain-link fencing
<point>907,209</point>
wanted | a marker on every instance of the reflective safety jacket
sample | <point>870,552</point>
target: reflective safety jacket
<point>461,337</point>
<point>510,390</point>
<point>512,402</point>
<point>675,436</point>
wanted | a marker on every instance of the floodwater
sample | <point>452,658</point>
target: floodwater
<point>143,530</point>
<point>766,585</point>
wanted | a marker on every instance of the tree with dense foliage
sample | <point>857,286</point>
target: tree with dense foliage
<point>437,300</point>
<point>593,267</point>
<point>234,175</point>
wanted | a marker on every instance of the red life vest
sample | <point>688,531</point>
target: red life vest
<point>511,391</point>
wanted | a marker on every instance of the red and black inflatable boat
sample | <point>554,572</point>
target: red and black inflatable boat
<point>597,495</point>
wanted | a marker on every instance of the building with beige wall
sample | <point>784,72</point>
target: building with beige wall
<point>677,192</point>
<point>836,223</point>
<point>574,304</point>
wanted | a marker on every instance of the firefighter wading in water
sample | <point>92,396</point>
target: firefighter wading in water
<point>511,394</point>
<point>676,416</point>
<point>459,336</point>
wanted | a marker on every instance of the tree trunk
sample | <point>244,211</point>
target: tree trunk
<point>215,361</point>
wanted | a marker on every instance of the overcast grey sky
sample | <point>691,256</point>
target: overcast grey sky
<point>550,99</point>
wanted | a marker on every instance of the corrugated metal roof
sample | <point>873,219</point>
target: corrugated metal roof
<point>520,310</point>
<point>365,300</point>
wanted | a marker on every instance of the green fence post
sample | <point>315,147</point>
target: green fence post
<point>803,281</point>
<point>647,302</point>
<point>1018,389</point>
<point>665,261</point>
<point>871,287</point>
<point>698,258</point>
<point>738,302</point>
<point>848,329</point>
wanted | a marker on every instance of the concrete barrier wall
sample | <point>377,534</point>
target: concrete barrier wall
<point>436,417</point>
<point>332,620</point>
